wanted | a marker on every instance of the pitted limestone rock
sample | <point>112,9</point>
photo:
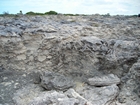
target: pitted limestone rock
<point>104,80</point>
<point>78,46</point>
<point>102,96</point>
<point>73,94</point>
<point>54,98</point>
<point>55,81</point>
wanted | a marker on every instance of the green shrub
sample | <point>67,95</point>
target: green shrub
<point>34,13</point>
<point>46,13</point>
<point>30,13</point>
<point>51,13</point>
<point>71,14</point>
<point>39,13</point>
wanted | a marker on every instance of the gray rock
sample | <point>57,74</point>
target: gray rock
<point>54,98</point>
<point>12,30</point>
<point>104,80</point>
<point>34,95</point>
<point>130,90</point>
<point>26,94</point>
<point>95,96</point>
<point>101,96</point>
<point>56,81</point>
<point>81,47</point>
<point>73,94</point>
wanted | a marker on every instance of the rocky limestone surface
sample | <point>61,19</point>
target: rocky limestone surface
<point>104,80</point>
<point>70,60</point>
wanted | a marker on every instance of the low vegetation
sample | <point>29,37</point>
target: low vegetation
<point>51,13</point>
<point>55,13</point>
<point>34,13</point>
<point>46,13</point>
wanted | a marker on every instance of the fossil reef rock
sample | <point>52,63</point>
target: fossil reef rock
<point>70,60</point>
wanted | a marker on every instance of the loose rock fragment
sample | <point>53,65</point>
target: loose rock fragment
<point>104,80</point>
<point>21,57</point>
<point>53,98</point>
<point>102,96</point>
<point>55,81</point>
<point>41,58</point>
<point>73,94</point>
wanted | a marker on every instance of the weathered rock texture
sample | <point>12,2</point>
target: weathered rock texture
<point>104,80</point>
<point>55,81</point>
<point>87,60</point>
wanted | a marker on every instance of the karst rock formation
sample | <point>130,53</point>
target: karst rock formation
<point>69,60</point>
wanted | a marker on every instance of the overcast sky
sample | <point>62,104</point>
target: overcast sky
<point>114,7</point>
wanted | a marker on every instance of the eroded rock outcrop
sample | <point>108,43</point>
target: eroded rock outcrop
<point>87,60</point>
<point>55,81</point>
<point>104,80</point>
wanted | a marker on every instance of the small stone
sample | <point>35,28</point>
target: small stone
<point>12,81</point>
<point>21,57</point>
<point>49,57</point>
<point>6,83</point>
<point>24,75</point>
<point>23,68</point>
<point>31,58</point>
<point>134,98</point>
<point>48,63</point>
<point>128,94</point>
<point>73,94</point>
<point>122,100</point>
<point>16,85</point>
<point>128,87</point>
<point>4,78</point>
<point>41,58</point>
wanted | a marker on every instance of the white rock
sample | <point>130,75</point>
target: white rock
<point>21,57</point>
<point>31,58</point>
<point>49,57</point>
<point>41,58</point>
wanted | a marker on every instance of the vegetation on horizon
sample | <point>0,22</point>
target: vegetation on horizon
<point>49,13</point>
<point>46,13</point>
<point>55,13</point>
<point>37,13</point>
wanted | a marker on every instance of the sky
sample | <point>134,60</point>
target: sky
<point>113,7</point>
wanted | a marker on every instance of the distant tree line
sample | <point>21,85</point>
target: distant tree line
<point>36,13</point>
<point>46,13</point>
<point>49,13</point>
<point>54,13</point>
